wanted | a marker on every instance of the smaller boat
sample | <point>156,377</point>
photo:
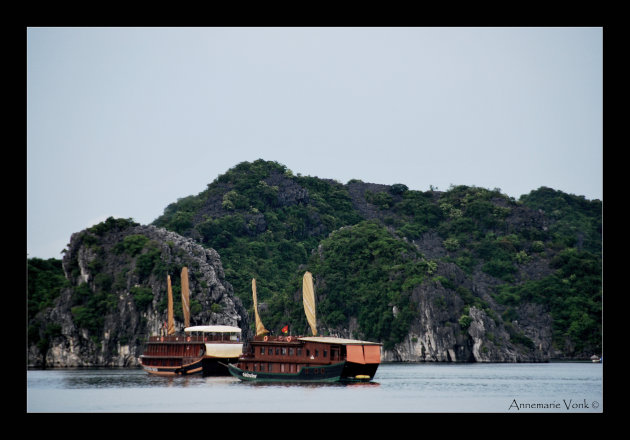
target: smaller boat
<point>202,350</point>
<point>305,358</point>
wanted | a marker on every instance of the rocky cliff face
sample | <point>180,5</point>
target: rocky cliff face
<point>118,292</point>
<point>434,337</point>
<point>446,330</point>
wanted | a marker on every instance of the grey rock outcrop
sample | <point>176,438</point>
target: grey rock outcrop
<point>125,289</point>
<point>479,335</point>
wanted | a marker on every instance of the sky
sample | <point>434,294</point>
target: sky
<point>122,122</point>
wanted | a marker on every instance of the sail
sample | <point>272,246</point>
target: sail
<point>171,322</point>
<point>260,328</point>
<point>185,299</point>
<point>309,301</point>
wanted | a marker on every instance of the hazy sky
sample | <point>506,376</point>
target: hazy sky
<point>124,121</point>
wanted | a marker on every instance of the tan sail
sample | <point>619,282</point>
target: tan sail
<point>260,328</point>
<point>309,301</point>
<point>171,322</point>
<point>185,297</point>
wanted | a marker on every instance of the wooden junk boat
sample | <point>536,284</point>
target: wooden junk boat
<point>305,358</point>
<point>202,350</point>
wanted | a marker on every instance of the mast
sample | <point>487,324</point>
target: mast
<point>260,328</point>
<point>185,297</point>
<point>309,301</point>
<point>171,322</point>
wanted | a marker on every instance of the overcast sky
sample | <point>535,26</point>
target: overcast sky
<point>124,121</point>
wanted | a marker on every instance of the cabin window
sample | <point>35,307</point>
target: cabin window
<point>277,350</point>
<point>299,351</point>
<point>308,352</point>
<point>291,351</point>
<point>284,351</point>
<point>316,353</point>
<point>282,368</point>
<point>262,350</point>
<point>325,353</point>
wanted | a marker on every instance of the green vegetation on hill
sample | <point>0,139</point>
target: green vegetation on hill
<point>369,274</point>
<point>260,230</point>
<point>45,281</point>
<point>573,294</point>
<point>573,220</point>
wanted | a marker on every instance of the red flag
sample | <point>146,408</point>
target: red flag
<point>285,329</point>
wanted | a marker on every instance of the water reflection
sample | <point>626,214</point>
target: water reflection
<point>362,384</point>
<point>83,378</point>
<point>131,378</point>
<point>311,384</point>
<point>101,378</point>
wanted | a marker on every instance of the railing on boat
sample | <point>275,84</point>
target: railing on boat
<point>173,350</point>
<point>193,338</point>
<point>280,338</point>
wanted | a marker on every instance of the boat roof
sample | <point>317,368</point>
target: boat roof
<point>213,328</point>
<point>333,340</point>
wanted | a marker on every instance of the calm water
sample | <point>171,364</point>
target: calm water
<point>506,388</point>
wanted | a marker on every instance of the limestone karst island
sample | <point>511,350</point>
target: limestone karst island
<point>465,274</point>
